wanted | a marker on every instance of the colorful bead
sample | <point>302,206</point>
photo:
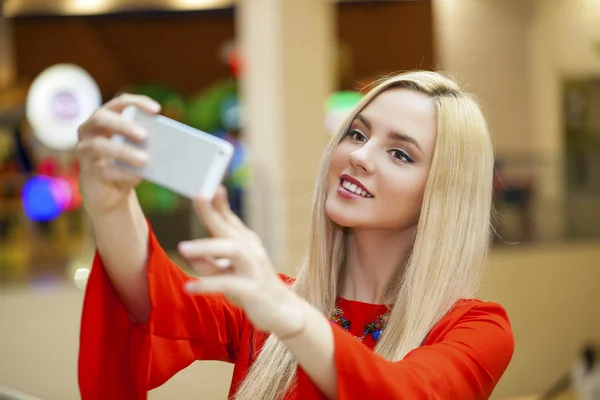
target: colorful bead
<point>374,329</point>
<point>376,334</point>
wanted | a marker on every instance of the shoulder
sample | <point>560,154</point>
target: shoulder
<point>484,327</point>
<point>489,317</point>
<point>473,307</point>
<point>478,309</point>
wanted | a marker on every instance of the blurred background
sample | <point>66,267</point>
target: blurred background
<point>274,77</point>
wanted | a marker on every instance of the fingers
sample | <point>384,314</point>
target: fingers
<point>106,122</point>
<point>144,103</point>
<point>223,253</point>
<point>112,173</point>
<point>221,203</point>
<point>213,220</point>
<point>210,249</point>
<point>232,286</point>
<point>100,146</point>
<point>217,216</point>
<point>211,266</point>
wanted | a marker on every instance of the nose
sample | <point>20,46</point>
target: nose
<point>362,160</point>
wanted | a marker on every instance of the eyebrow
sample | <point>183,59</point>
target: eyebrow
<point>394,135</point>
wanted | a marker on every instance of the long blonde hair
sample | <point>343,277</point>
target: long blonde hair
<point>449,248</point>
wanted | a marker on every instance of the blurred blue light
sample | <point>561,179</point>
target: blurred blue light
<point>39,201</point>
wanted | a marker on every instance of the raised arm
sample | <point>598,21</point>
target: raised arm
<point>138,326</point>
<point>108,192</point>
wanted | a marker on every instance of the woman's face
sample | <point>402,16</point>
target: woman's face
<point>378,171</point>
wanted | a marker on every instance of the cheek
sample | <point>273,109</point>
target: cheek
<point>406,193</point>
<point>339,157</point>
<point>337,163</point>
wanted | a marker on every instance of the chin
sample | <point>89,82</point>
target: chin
<point>341,217</point>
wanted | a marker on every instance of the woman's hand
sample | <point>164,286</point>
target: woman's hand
<point>235,263</point>
<point>104,186</point>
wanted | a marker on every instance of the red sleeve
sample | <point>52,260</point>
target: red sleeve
<point>119,359</point>
<point>465,363</point>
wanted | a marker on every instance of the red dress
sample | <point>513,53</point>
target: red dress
<point>463,357</point>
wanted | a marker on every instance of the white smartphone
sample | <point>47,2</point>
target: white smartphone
<point>183,159</point>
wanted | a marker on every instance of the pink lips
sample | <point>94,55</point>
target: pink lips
<point>342,191</point>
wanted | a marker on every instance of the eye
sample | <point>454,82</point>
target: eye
<point>356,135</point>
<point>401,156</point>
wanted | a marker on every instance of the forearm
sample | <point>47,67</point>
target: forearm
<point>122,241</point>
<point>314,349</point>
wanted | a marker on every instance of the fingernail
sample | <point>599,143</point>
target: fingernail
<point>155,106</point>
<point>185,246</point>
<point>141,156</point>
<point>201,200</point>
<point>140,132</point>
<point>222,263</point>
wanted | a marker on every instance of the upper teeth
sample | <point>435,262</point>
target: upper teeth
<point>351,187</point>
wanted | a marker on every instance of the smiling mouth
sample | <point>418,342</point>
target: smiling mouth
<point>354,188</point>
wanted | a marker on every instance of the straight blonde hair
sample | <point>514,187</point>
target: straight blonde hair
<point>448,251</point>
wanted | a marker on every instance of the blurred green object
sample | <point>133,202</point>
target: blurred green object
<point>338,106</point>
<point>157,92</point>
<point>204,110</point>
<point>166,200</point>
<point>240,177</point>
<point>343,100</point>
<point>154,198</point>
<point>173,104</point>
<point>174,107</point>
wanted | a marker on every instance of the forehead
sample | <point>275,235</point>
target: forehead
<point>400,103</point>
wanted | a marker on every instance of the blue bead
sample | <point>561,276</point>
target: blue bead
<point>376,334</point>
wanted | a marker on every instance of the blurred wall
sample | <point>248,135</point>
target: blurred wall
<point>573,33</point>
<point>552,296</point>
<point>181,50</point>
<point>484,44</point>
<point>514,55</point>
<point>7,64</point>
<point>384,37</point>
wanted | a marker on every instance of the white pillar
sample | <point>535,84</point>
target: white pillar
<point>287,74</point>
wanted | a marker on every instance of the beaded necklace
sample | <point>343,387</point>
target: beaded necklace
<point>374,328</point>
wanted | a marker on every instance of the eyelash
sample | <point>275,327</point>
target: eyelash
<point>404,157</point>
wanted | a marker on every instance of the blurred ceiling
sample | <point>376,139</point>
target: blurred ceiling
<point>17,8</point>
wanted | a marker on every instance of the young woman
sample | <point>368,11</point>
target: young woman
<point>382,308</point>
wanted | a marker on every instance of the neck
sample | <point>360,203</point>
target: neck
<point>373,261</point>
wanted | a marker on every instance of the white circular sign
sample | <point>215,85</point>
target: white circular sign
<point>59,100</point>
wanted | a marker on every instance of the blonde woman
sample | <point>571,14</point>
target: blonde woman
<point>382,308</point>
